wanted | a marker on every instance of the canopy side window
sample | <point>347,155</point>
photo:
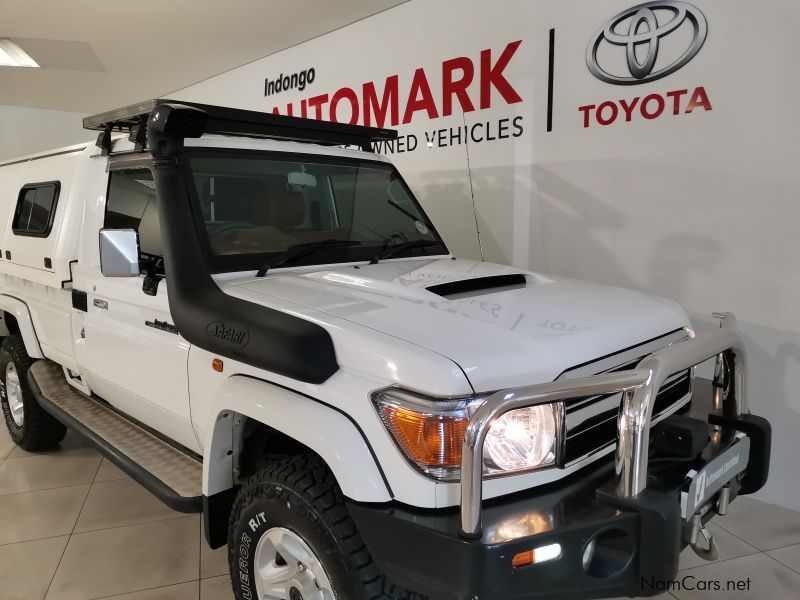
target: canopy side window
<point>36,207</point>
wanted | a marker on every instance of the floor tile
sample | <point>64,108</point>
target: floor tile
<point>43,472</point>
<point>182,591</point>
<point>728,544</point>
<point>762,525</point>
<point>763,577</point>
<point>789,556</point>
<point>108,471</point>
<point>118,503</point>
<point>128,559</point>
<point>216,588</point>
<point>71,444</point>
<point>27,568</point>
<point>34,515</point>
<point>212,562</point>
<point>6,445</point>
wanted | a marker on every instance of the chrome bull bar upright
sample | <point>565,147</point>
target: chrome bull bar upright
<point>639,388</point>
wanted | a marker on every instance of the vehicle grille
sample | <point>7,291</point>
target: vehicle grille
<point>592,422</point>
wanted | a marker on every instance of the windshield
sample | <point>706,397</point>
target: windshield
<point>260,208</point>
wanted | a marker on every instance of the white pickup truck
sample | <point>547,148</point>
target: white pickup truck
<point>256,320</point>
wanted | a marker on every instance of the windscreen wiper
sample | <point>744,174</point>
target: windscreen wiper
<point>401,248</point>
<point>408,213</point>
<point>298,251</point>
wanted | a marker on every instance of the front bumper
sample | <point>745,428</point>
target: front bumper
<point>637,540</point>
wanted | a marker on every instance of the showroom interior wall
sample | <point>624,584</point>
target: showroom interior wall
<point>689,192</point>
<point>53,128</point>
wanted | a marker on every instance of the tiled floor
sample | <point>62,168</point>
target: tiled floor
<point>72,526</point>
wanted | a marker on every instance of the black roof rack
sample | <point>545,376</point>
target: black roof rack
<point>236,122</point>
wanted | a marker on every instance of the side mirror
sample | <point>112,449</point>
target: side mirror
<point>119,252</point>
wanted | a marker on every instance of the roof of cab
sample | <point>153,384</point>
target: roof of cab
<point>122,144</point>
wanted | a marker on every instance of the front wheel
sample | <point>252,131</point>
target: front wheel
<point>292,538</point>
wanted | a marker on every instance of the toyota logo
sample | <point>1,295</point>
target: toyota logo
<point>639,30</point>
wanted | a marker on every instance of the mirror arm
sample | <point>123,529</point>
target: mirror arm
<point>151,279</point>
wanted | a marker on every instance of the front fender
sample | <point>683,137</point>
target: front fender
<point>322,428</point>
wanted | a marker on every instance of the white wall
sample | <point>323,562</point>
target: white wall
<point>702,207</point>
<point>28,130</point>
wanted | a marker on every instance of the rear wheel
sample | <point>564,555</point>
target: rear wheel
<point>29,425</point>
<point>292,538</point>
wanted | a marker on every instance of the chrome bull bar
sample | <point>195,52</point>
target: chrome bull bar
<point>639,389</point>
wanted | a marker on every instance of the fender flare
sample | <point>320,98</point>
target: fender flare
<point>320,427</point>
<point>22,314</point>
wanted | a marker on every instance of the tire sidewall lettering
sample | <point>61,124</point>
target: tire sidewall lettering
<point>15,430</point>
<point>251,530</point>
<point>5,358</point>
<point>245,566</point>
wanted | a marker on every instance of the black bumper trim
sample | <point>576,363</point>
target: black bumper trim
<point>422,550</point>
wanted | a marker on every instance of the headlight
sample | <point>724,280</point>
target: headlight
<point>430,433</point>
<point>522,439</point>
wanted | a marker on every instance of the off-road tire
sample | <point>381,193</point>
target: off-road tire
<point>39,430</point>
<point>301,494</point>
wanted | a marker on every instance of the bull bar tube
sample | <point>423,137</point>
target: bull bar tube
<point>638,387</point>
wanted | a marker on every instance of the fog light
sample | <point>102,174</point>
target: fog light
<point>537,555</point>
<point>526,525</point>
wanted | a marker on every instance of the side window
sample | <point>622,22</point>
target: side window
<point>36,207</point>
<point>132,204</point>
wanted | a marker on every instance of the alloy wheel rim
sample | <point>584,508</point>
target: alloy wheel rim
<point>287,569</point>
<point>14,395</point>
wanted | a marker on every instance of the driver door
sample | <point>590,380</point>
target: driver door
<point>129,350</point>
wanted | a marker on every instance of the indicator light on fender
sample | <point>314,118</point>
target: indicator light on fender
<point>431,440</point>
<point>522,559</point>
<point>216,364</point>
<point>537,555</point>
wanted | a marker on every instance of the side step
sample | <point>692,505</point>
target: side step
<point>170,474</point>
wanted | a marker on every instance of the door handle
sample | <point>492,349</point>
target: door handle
<point>100,303</point>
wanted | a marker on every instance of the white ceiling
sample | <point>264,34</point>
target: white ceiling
<point>102,54</point>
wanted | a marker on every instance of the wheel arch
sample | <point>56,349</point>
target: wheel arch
<point>248,410</point>
<point>17,319</point>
